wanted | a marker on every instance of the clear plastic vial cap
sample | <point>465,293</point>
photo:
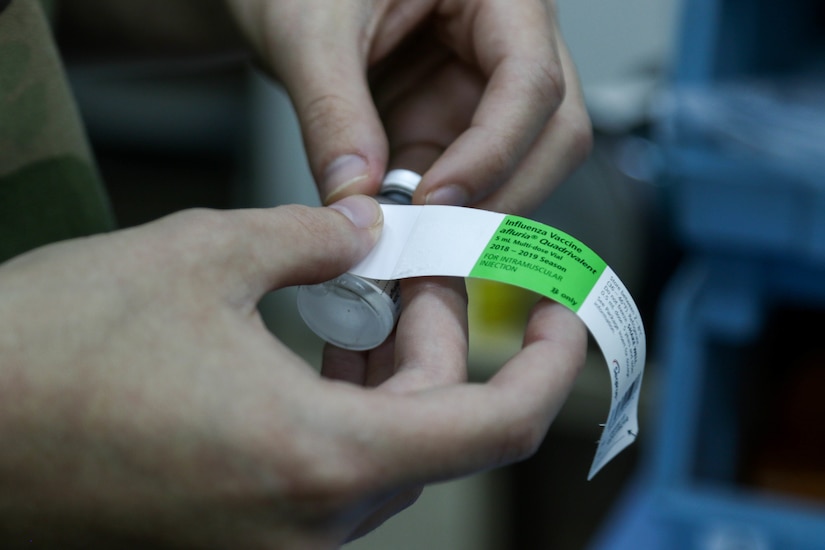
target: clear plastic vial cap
<point>353,312</point>
<point>350,312</point>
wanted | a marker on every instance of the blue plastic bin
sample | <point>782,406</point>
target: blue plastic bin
<point>687,496</point>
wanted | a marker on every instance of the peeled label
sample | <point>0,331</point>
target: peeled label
<point>464,242</point>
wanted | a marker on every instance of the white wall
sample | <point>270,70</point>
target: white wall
<point>611,39</point>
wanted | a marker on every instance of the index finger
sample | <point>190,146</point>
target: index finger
<point>514,44</point>
<point>432,336</point>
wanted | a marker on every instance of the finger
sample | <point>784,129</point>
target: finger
<point>563,145</point>
<point>363,368</point>
<point>250,252</point>
<point>381,363</point>
<point>410,89</point>
<point>406,66</point>
<point>326,78</point>
<point>552,329</point>
<point>526,85</point>
<point>431,339</point>
<point>422,123</point>
<point>344,365</point>
<point>453,431</point>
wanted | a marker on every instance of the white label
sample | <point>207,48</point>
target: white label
<point>464,242</point>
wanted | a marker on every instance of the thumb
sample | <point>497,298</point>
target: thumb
<point>344,139</point>
<point>295,244</point>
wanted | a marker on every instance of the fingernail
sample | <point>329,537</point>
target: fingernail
<point>361,210</point>
<point>449,194</point>
<point>342,173</point>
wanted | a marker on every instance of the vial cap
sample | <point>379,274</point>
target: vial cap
<point>400,180</point>
<point>349,311</point>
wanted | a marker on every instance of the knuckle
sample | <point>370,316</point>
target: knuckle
<point>189,237</point>
<point>580,134</point>
<point>503,152</point>
<point>200,220</point>
<point>329,115</point>
<point>303,218</point>
<point>202,227</point>
<point>547,82</point>
<point>298,221</point>
<point>332,481</point>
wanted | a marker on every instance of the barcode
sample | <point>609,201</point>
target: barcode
<point>628,395</point>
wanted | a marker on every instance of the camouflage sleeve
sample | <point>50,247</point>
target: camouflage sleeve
<point>49,187</point>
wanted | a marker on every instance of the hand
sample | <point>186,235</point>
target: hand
<point>143,401</point>
<point>481,94</point>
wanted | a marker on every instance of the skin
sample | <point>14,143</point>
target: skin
<point>480,96</point>
<point>142,400</point>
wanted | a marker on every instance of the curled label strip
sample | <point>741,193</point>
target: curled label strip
<point>464,242</point>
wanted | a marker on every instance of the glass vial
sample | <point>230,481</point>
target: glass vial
<point>354,312</point>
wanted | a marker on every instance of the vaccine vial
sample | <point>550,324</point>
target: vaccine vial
<point>354,312</point>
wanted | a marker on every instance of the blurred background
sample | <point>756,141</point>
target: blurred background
<point>705,194</point>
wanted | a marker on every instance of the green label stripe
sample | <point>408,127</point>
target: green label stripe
<point>540,258</point>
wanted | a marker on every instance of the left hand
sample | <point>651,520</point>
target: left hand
<point>143,401</point>
<point>480,95</point>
